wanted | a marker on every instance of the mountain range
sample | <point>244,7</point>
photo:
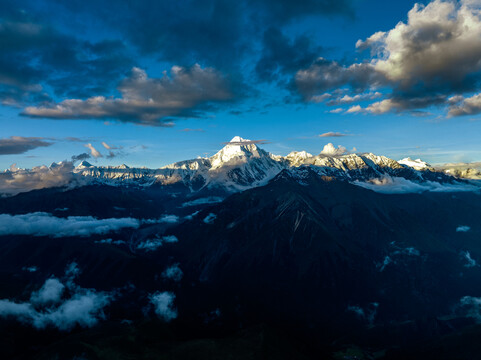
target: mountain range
<point>336,256</point>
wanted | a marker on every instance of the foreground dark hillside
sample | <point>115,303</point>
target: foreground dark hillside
<point>306,266</point>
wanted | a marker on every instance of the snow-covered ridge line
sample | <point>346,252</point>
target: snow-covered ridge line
<point>241,164</point>
<point>238,166</point>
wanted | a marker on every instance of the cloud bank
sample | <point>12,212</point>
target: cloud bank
<point>14,180</point>
<point>44,224</point>
<point>399,185</point>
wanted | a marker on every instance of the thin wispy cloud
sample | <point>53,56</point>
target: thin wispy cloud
<point>93,151</point>
<point>246,142</point>
<point>333,134</point>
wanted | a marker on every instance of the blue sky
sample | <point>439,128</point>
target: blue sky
<point>159,82</point>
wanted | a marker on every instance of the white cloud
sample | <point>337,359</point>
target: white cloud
<point>164,305</point>
<point>439,42</point>
<point>173,272</point>
<point>202,201</point>
<point>154,244</point>
<point>110,242</point>
<point>423,61</point>
<point>209,219</point>
<point>331,150</point>
<point>14,180</point>
<point>470,262</point>
<point>472,307</point>
<point>354,109</point>
<point>49,307</point>
<point>164,219</point>
<point>44,224</point>
<point>463,228</point>
<point>399,185</point>
<point>93,151</point>
<point>461,106</point>
<point>50,293</point>
<point>336,111</point>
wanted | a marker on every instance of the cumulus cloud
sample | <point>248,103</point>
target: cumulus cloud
<point>173,272</point>
<point>44,224</point>
<point>146,101</point>
<point>348,99</point>
<point>164,305</point>
<point>332,134</point>
<point>324,75</point>
<point>20,145</point>
<point>14,180</point>
<point>399,185</point>
<point>330,150</point>
<point>423,61</point>
<point>354,109</point>
<point>93,151</point>
<point>52,306</point>
<point>50,293</point>
<point>460,106</point>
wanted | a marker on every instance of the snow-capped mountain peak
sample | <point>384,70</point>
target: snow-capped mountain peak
<point>417,164</point>
<point>237,151</point>
<point>84,164</point>
<point>297,158</point>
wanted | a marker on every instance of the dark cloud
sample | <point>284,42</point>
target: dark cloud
<point>214,32</point>
<point>147,101</point>
<point>284,11</point>
<point>20,145</point>
<point>282,56</point>
<point>34,54</point>
<point>81,157</point>
<point>42,61</point>
<point>325,75</point>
